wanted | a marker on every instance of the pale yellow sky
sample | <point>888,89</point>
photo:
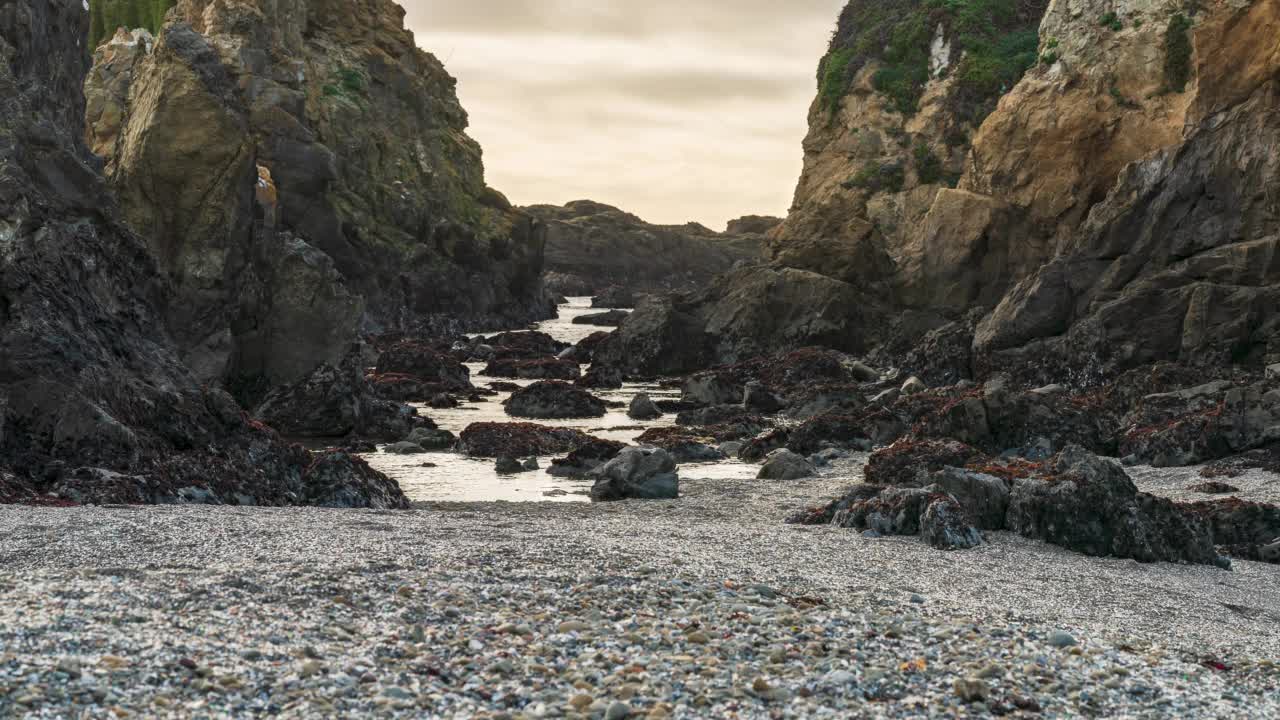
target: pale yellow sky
<point>674,110</point>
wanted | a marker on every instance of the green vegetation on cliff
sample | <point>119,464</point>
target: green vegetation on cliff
<point>105,16</point>
<point>1177,54</point>
<point>995,41</point>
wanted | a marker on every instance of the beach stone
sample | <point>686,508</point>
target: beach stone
<point>643,408</point>
<point>786,465</point>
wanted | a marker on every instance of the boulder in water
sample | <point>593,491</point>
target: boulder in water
<point>637,473</point>
<point>554,400</point>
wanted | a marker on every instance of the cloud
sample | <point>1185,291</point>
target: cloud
<point>675,110</point>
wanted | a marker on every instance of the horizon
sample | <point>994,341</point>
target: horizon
<point>713,101</point>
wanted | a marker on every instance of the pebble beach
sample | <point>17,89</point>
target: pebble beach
<point>708,606</point>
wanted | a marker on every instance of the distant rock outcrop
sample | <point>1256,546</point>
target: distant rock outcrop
<point>301,171</point>
<point>592,247</point>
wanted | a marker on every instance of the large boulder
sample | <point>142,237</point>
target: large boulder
<point>637,473</point>
<point>554,400</point>
<point>786,465</point>
<point>1088,504</point>
<point>1241,529</point>
<point>336,402</point>
<point>436,371</point>
<point>341,480</point>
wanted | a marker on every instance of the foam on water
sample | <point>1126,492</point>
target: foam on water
<point>452,477</point>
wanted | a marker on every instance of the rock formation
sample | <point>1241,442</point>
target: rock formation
<point>1059,189</point>
<point>592,247</point>
<point>301,171</point>
<point>95,405</point>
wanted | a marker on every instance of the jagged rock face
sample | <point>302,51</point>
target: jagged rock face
<point>593,246</point>
<point>94,403</point>
<point>301,169</point>
<point>1179,262</point>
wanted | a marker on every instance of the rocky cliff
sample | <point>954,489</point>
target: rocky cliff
<point>301,170</point>
<point>95,405</point>
<point>592,247</point>
<point>1087,181</point>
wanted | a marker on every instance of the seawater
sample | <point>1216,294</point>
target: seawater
<point>452,477</point>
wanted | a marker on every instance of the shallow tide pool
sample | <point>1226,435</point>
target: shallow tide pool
<point>452,477</point>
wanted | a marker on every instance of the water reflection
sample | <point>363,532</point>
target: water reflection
<point>452,477</point>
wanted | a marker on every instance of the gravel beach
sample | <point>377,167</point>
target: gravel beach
<point>708,606</point>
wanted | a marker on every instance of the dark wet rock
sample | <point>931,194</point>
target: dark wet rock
<point>946,526</point>
<point>637,473</point>
<point>712,388</point>
<point>985,498</point>
<point>686,444</point>
<point>643,408</point>
<point>829,431</point>
<point>586,458</point>
<point>584,352</point>
<point>615,297</point>
<point>554,400</point>
<point>1240,529</point>
<point>509,466</point>
<point>1203,423</point>
<point>834,398</point>
<point>1088,504</point>
<point>1266,459</point>
<point>601,377</point>
<point>492,440</point>
<point>539,369</point>
<point>786,465</point>
<point>336,402</point>
<point>901,463</point>
<point>406,447</point>
<point>341,480</point>
<point>612,318</point>
<point>761,445</point>
<point>526,344</point>
<point>432,439</point>
<point>437,371</point>
<point>759,399</point>
<point>837,510</point>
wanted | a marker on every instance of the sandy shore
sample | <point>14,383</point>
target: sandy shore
<point>705,605</point>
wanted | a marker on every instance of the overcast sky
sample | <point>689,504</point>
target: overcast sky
<point>674,110</point>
